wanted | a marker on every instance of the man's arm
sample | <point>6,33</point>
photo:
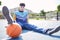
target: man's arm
<point>14,17</point>
<point>27,17</point>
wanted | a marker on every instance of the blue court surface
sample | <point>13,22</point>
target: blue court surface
<point>30,35</point>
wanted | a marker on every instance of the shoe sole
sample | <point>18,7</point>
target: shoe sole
<point>55,30</point>
<point>6,14</point>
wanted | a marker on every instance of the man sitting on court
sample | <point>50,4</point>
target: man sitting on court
<point>21,17</point>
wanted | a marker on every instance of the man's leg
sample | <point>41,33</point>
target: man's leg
<point>22,25</point>
<point>35,28</point>
<point>54,30</point>
<point>6,14</point>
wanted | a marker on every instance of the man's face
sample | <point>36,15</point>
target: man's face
<point>22,8</point>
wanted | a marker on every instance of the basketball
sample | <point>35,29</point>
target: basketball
<point>14,30</point>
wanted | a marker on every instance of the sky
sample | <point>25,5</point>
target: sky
<point>34,5</point>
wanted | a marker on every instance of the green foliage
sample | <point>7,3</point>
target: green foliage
<point>42,13</point>
<point>58,7</point>
<point>0,2</point>
<point>37,18</point>
<point>1,16</point>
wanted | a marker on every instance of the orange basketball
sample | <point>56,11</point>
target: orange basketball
<point>14,30</point>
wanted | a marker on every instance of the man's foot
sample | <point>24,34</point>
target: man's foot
<point>49,33</point>
<point>44,31</point>
<point>48,30</point>
<point>6,14</point>
<point>54,30</point>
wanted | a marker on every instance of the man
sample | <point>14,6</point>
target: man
<point>21,17</point>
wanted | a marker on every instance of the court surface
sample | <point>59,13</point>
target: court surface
<point>30,35</point>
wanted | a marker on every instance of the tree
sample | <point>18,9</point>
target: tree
<point>58,8</point>
<point>0,2</point>
<point>43,14</point>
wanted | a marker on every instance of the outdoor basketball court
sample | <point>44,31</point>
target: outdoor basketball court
<point>30,35</point>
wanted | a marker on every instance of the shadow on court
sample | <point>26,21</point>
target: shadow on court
<point>18,38</point>
<point>25,31</point>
